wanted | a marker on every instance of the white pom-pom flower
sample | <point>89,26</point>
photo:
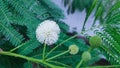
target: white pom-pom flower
<point>47,32</point>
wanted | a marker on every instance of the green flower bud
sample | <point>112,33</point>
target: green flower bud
<point>74,49</point>
<point>95,41</point>
<point>86,56</point>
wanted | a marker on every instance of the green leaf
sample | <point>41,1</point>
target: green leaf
<point>28,65</point>
<point>89,12</point>
<point>11,34</point>
<point>116,6</point>
<point>97,14</point>
<point>28,47</point>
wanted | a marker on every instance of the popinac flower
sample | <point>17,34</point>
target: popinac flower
<point>86,56</point>
<point>95,41</point>
<point>47,32</point>
<point>74,49</point>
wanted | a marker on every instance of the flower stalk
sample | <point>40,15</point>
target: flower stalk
<point>61,44</point>
<point>16,47</point>
<point>82,60</point>
<point>58,55</point>
<point>29,59</point>
<point>44,49</point>
<point>79,64</point>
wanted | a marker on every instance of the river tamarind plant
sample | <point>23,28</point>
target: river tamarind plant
<point>33,35</point>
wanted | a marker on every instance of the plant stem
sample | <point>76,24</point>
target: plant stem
<point>61,44</point>
<point>81,61</point>
<point>78,65</point>
<point>57,55</point>
<point>16,47</point>
<point>44,49</point>
<point>29,59</point>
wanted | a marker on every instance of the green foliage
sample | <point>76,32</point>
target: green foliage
<point>22,14</point>
<point>20,18</point>
<point>107,12</point>
<point>110,34</point>
<point>77,5</point>
<point>28,47</point>
<point>10,62</point>
<point>110,48</point>
<point>5,26</point>
<point>18,22</point>
<point>28,65</point>
<point>26,14</point>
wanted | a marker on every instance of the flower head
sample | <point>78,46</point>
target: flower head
<point>86,56</point>
<point>47,32</point>
<point>95,41</point>
<point>74,49</point>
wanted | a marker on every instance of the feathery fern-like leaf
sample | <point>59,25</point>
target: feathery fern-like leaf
<point>28,47</point>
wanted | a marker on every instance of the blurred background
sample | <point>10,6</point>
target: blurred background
<point>76,18</point>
